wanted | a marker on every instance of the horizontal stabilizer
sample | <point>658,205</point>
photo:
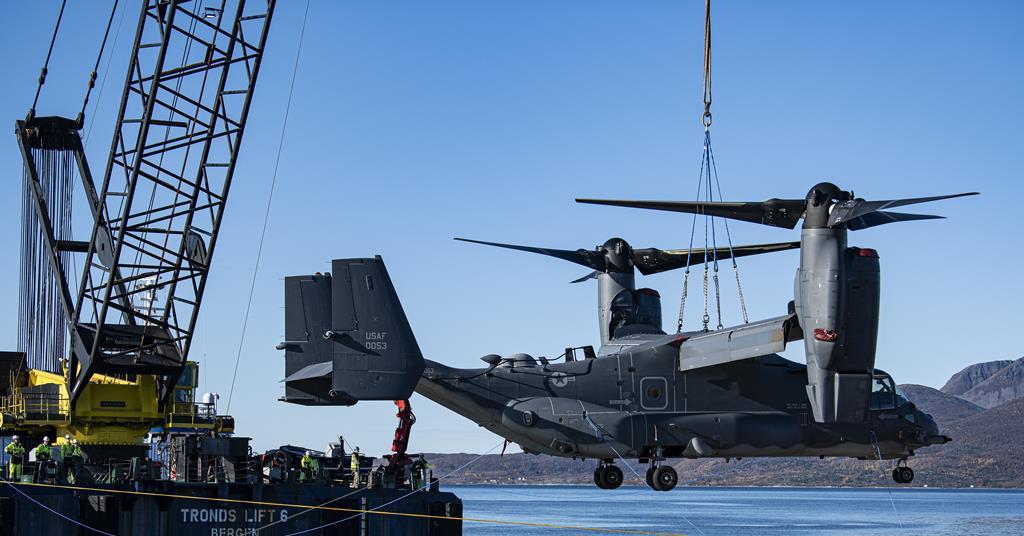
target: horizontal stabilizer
<point>315,371</point>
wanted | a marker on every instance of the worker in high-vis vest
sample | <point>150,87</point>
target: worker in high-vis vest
<point>67,450</point>
<point>66,447</point>
<point>421,473</point>
<point>310,467</point>
<point>43,450</point>
<point>355,468</point>
<point>16,451</point>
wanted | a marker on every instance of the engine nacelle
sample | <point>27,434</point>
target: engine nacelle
<point>837,299</point>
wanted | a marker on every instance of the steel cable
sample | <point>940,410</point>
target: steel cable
<point>46,63</point>
<point>270,199</point>
<point>96,66</point>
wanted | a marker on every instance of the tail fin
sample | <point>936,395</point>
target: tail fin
<point>347,337</point>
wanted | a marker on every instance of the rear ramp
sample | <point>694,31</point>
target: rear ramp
<point>347,337</point>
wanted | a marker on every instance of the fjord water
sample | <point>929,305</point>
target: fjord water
<point>730,511</point>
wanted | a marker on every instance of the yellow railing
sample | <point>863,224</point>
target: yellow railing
<point>36,408</point>
<point>186,413</point>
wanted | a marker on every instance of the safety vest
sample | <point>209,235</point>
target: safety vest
<point>42,453</point>
<point>17,452</point>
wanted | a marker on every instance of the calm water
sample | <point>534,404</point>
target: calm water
<point>727,511</point>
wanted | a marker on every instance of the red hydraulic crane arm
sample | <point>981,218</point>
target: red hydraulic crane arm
<point>400,445</point>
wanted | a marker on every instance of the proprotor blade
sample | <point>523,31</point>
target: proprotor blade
<point>590,259</point>
<point>784,213</point>
<point>882,217</point>
<point>846,211</point>
<point>652,260</point>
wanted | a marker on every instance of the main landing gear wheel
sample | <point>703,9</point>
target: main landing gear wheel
<point>608,476</point>
<point>662,478</point>
<point>903,475</point>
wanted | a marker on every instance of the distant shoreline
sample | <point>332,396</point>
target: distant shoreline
<point>640,486</point>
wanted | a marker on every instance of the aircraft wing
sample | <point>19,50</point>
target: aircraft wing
<point>739,342</point>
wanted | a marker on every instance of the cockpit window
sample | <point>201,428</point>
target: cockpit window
<point>885,394</point>
<point>901,397</point>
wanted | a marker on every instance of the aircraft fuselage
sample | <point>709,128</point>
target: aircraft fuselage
<point>635,403</point>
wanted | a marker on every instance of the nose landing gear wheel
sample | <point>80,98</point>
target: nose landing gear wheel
<point>650,477</point>
<point>608,476</point>
<point>903,475</point>
<point>663,478</point>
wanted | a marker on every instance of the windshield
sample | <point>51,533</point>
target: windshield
<point>901,397</point>
<point>885,394</point>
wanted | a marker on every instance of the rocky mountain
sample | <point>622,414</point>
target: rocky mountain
<point>963,381</point>
<point>987,448</point>
<point>1004,385</point>
<point>943,407</point>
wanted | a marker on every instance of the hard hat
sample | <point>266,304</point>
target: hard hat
<point>74,441</point>
<point>67,437</point>
<point>309,453</point>
<point>46,439</point>
<point>14,438</point>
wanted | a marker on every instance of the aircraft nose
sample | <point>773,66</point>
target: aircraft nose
<point>931,433</point>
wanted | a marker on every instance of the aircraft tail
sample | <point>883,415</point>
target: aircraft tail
<point>347,337</point>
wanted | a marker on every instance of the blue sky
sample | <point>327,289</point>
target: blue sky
<point>414,122</point>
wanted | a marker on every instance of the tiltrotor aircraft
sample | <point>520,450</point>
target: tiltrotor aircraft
<point>645,394</point>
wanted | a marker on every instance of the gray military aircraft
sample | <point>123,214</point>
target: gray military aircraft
<point>645,394</point>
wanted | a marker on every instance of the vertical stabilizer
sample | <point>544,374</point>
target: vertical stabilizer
<point>348,338</point>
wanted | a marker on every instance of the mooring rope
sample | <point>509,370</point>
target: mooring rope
<point>413,492</point>
<point>888,489</point>
<point>353,492</point>
<point>54,512</point>
<point>356,511</point>
<point>602,434</point>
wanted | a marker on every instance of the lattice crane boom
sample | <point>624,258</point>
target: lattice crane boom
<point>165,187</point>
